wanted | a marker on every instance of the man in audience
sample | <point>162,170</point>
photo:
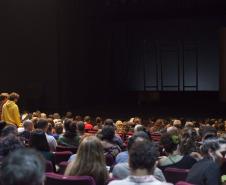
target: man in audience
<point>28,127</point>
<point>43,124</point>
<point>3,100</point>
<point>9,130</point>
<point>142,162</point>
<point>207,170</point>
<point>24,167</point>
<point>10,110</point>
<point>121,169</point>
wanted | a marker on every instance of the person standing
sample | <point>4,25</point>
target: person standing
<point>10,110</point>
<point>3,100</point>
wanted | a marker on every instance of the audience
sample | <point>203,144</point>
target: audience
<point>133,146</point>
<point>89,161</point>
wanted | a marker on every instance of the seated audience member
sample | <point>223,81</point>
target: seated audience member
<point>81,129</point>
<point>43,125</point>
<point>39,142</point>
<point>89,161</point>
<point>121,169</point>
<point>69,115</point>
<point>142,160</point>
<point>158,126</point>
<point>189,144</point>
<point>117,139</point>
<point>207,170</point>
<point>28,127</point>
<point>58,130</point>
<point>8,130</point>
<point>177,123</point>
<point>107,136</point>
<point>174,158</point>
<point>9,144</point>
<point>70,138</point>
<point>88,124</point>
<point>24,167</point>
<point>99,124</point>
<point>119,126</point>
<point>139,128</point>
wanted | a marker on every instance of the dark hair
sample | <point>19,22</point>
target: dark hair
<point>13,96</point>
<point>69,115</point>
<point>2,125</point>
<point>81,126</point>
<point>70,128</point>
<point>23,167</point>
<point>209,144</point>
<point>10,129</point>
<point>109,122</point>
<point>139,135</point>
<point>143,155</point>
<point>9,144</point>
<point>87,119</point>
<point>42,124</point>
<point>59,128</point>
<point>108,133</point>
<point>170,142</point>
<point>38,140</point>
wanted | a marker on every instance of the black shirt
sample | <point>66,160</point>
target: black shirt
<point>204,172</point>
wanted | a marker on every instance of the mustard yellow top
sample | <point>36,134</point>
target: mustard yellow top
<point>10,113</point>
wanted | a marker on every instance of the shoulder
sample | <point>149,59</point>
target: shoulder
<point>119,182</point>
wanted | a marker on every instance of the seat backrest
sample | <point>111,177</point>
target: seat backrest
<point>49,166</point>
<point>175,175</point>
<point>61,148</point>
<point>155,136</point>
<point>183,183</point>
<point>62,156</point>
<point>57,179</point>
<point>63,166</point>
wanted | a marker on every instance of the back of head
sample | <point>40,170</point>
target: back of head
<point>14,96</point>
<point>143,155</point>
<point>109,122</point>
<point>138,128</point>
<point>24,167</point>
<point>69,115</point>
<point>208,132</point>
<point>42,124</point>
<point>210,144</point>
<point>81,126</point>
<point>108,133</point>
<point>59,128</point>
<point>10,129</point>
<point>87,119</point>
<point>38,140</point>
<point>27,124</point>
<point>10,144</point>
<point>170,142</point>
<point>4,96</point>
<point>141,135</point>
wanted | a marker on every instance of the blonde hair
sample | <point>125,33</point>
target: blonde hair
<point>89,161</point>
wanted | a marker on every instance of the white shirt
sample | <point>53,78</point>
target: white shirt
<point>52,142</point>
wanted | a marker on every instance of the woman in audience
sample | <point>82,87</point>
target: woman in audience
<point>89,161</point>
<point>70,138</point>
<point>207,170</point>
<point>99,124</point>
<point>174,158</point>
<point>39,142</point>
<point>107,136</point>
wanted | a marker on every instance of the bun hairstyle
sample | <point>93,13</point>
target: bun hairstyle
<point>170,142</point>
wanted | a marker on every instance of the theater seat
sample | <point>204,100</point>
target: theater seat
<point>57,179</point>
<point>63,166</point>
<point>175,175</point>
<point>61,148</point>
<point>183,183</point>
<point>61,156</point>
<point>49,166</point>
